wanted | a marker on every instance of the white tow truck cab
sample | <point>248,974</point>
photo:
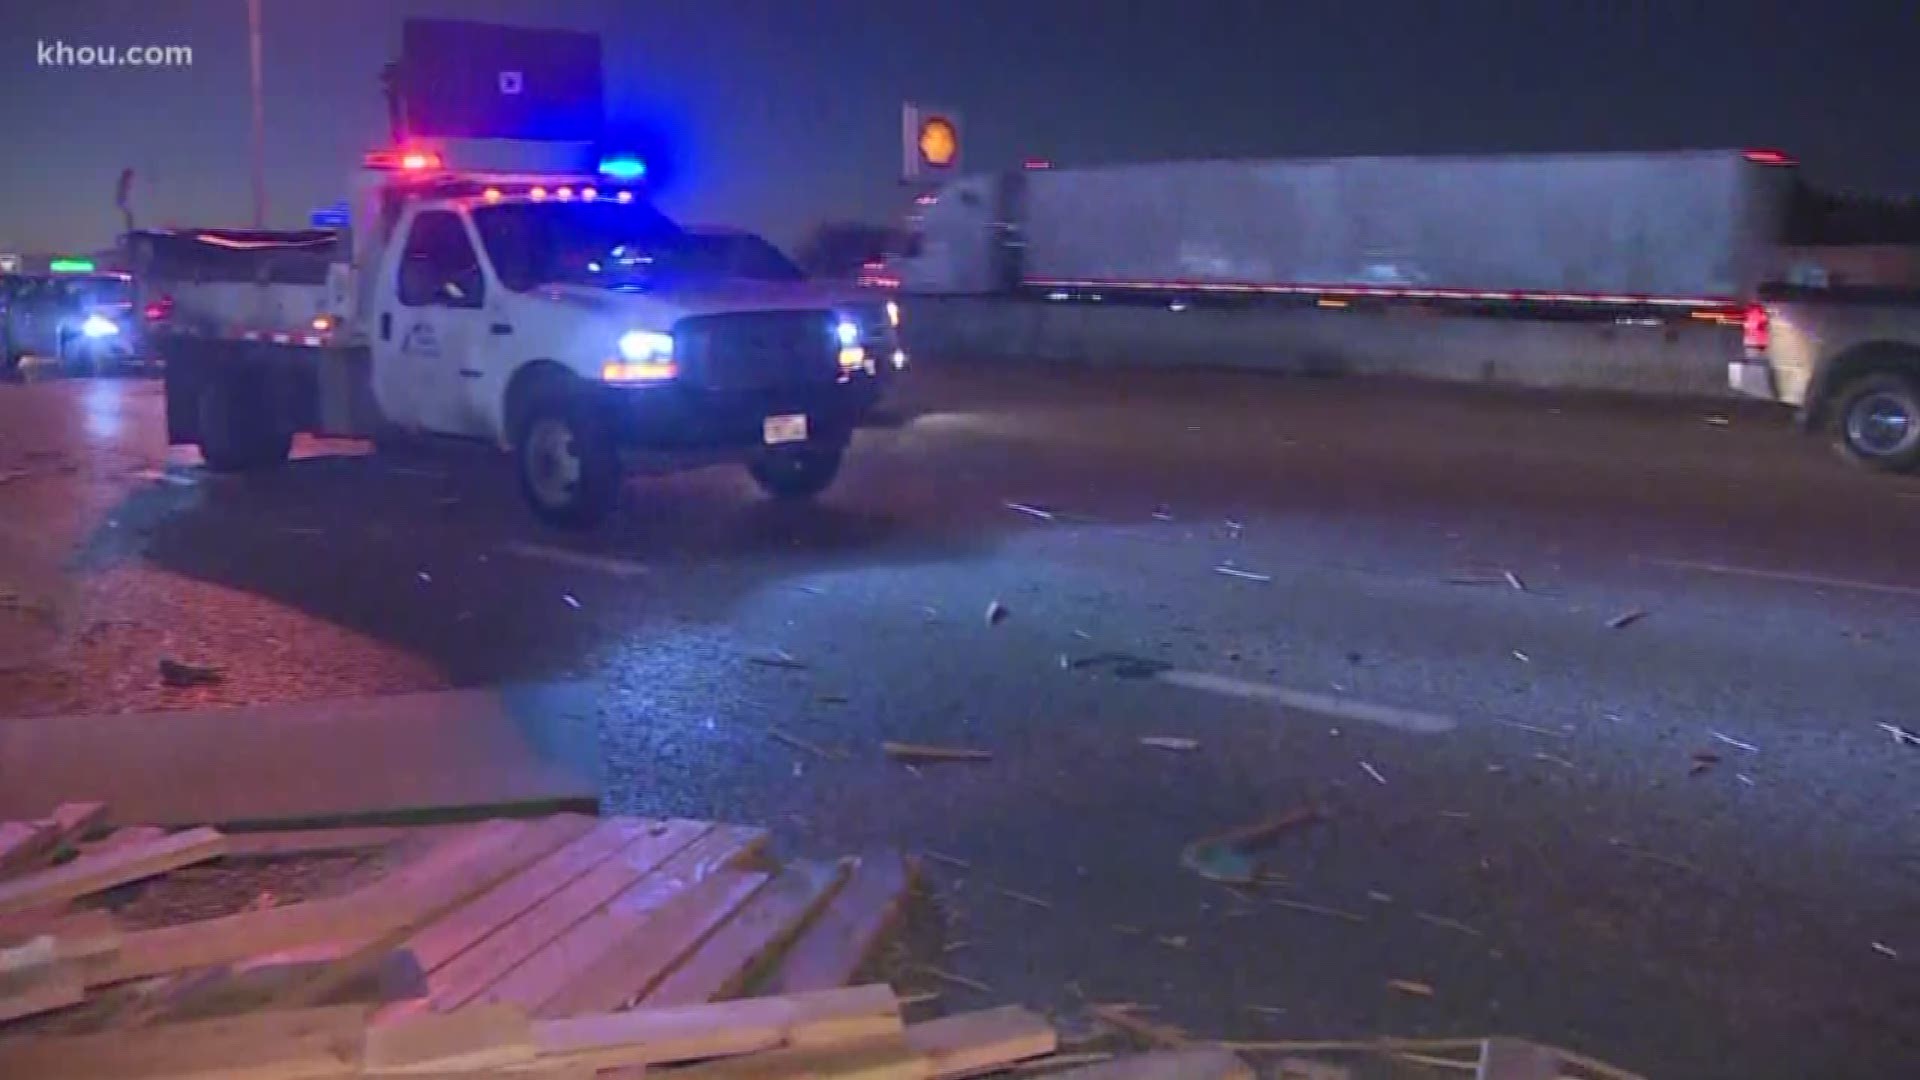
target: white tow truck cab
<point>551,311</point>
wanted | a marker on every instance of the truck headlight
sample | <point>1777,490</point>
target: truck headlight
<point>847,332</point>
<point>99,326</point>
<point>645,356</point>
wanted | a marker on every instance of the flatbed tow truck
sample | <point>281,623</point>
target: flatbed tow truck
<point>546,308</point>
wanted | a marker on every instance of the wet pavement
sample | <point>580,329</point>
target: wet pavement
<point>1588,692</point>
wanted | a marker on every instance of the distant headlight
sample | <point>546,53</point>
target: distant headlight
<point>99,326</point>
<point>893,313</point>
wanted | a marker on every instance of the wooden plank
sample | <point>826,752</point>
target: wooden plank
<point>428,892</point>
<point>832,949</point>
<point>722,1029</point>
<point>547,973</point>
<point>1165,1065</point>
<point>977,1042</point>
<point>130,836</point>
<point>690,895</point>
<point>90,874</point>
<point>484,1037</point>
<point>25,843</point>
<point>280,843</point>
<point>34,978</point>
<point>59,921</point>
<point>887,1058</point>
<point>282,1045</point>
<point>467,975</point>
<point>249,985</point>
<point>741,946</point>
<point>359,915</point>
<point>458,930</point>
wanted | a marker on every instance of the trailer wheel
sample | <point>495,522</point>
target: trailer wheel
<point>569,467</point>
<point>799,473</point>
<point>237,433</point>
<point>1876,422</point>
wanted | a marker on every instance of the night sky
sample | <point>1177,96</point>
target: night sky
<point>785,112</point>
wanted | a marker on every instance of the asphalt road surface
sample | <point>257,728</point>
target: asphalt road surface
<point>1589,693</point>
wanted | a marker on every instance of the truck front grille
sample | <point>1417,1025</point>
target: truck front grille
<point>760,350</point>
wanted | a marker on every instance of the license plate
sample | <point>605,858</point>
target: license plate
<point>785,429</point>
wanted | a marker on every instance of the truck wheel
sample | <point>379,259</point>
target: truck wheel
<point>1876,422</point>
<point>798,473</point>
<point>569,467</point>
<point>236,433</point>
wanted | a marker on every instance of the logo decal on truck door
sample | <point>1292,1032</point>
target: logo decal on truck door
<point>420,341</point>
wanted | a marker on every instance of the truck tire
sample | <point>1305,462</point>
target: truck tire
<point>1876,422</point>
<point>799,473</point>
<point>569,467</point>
<point>237,434</point>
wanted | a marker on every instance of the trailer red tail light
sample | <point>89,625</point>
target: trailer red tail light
<point>1769,157</point>
<point>1756,329</point>
<point>158,310</point>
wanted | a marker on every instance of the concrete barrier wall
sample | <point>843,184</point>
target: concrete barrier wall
<point>1679,357</point>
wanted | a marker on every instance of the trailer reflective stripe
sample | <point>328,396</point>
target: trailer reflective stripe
<point>1387,291</point>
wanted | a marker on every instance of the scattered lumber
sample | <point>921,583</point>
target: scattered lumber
<point>915,752</point>
<point>841,940</point>
<point>762,928</point>
<point>696,1032</point>
<point>25,844</point>
<point>92,873</point>
<point>1166,1065</point>
<point>981,1041</point>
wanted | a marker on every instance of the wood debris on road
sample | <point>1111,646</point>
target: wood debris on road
<point>1169,742</point>
<point>799,743</point>
<point>1368,768</point>
<point>180,675</point>
<point>916,752</point>
<point>1231,857</point>
<point>996,613</point>
<point>1030,511</point>
<point>1736,743</point>
<point>1244,575</point>
<point>1409,986</point>
<point>1317,909</point>
<point>1626,619</point>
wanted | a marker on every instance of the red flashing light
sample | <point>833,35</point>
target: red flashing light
<point>1756,330</point>
<point>1769,157</point>
<point>405,161</point>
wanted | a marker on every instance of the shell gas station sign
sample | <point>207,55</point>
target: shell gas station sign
<point>930,142</point>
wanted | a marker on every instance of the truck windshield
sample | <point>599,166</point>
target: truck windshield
<point>600,243</point>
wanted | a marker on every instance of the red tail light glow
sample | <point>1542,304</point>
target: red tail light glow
<point>1769,157</point>
<point>159,310</point>
<point>1756,329</point>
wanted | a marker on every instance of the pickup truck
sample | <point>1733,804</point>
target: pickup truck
<point>566,322</point>
<point>1848,359</point>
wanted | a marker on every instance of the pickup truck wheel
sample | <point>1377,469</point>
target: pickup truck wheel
<point>1876,422</point>
<point>798,473</point>
<point>236,434</point>
<point>569,467</point>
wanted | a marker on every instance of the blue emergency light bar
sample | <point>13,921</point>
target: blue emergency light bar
<point>623,167</point>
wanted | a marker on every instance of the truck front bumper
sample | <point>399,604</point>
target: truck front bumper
<point>674,418</point>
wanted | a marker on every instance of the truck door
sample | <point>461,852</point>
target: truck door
<point>430,328</point>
